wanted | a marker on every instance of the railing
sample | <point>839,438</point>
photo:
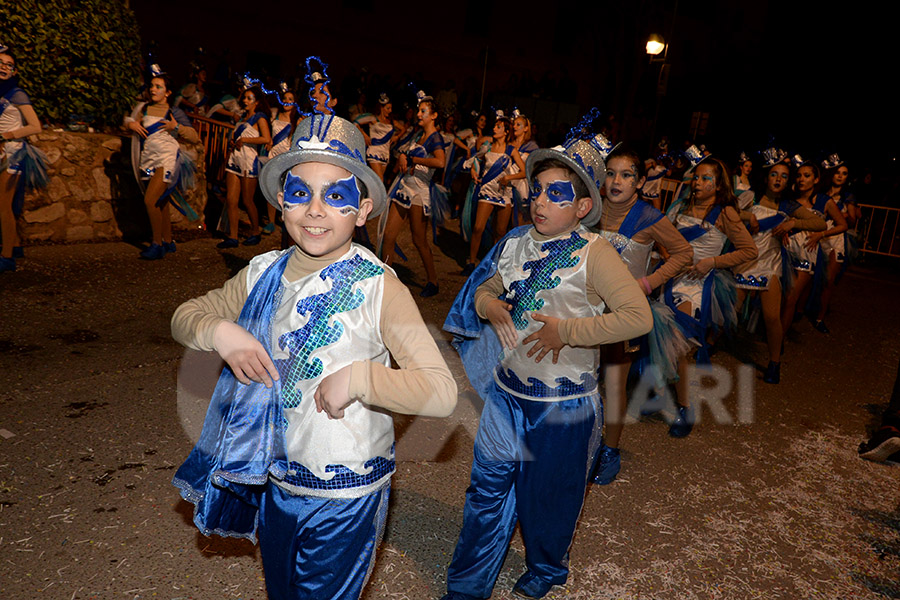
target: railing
<point>877,229</point>
<point>215,136</point>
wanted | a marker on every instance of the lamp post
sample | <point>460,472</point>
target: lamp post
<point>657,46</point>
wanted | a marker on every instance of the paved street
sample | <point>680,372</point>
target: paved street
<point>98,407</point>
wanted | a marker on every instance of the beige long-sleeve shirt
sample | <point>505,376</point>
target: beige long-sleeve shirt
<point>608,281</point>
<point>422,385</point>
<point>662,232</point>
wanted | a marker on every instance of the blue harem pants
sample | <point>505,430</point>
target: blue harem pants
<point>531,464</point>
<point>319,548</point>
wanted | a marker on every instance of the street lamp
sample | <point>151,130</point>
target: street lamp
<point>655,45</point>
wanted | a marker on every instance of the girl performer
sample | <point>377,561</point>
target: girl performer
<point>742,177</point>
<point>632,227</point>
<point>805,246</point>
<point>770,218</point>
<point>19,160</point>
<point>704,295</point>
<point>242,170</point>
<point>492,189</point>
<point>285,120</point>
<point>411,192</point>
<point>521,141</point>
<point>162,166</point>
<point>381,134</point>
<point>836,247</point>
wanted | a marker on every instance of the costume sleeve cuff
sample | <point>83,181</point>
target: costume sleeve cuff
<point>359,380</point>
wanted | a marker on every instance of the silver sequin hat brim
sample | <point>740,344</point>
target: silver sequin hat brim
<point>561,154</point>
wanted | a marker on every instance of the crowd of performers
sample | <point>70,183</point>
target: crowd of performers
<point>629,286</point>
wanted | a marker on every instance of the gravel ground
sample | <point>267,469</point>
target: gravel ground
<point>98,407</point>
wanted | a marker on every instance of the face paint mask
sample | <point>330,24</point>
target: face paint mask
<point>342,195</point>
<point>561,192</point>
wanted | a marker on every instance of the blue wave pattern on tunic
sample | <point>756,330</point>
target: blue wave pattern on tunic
<point>523,293</point>
<point>317,333</point>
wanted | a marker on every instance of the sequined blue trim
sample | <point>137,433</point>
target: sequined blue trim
<point>535,388</point>
<point>802,265</point>
<point>752,281</point>
<point>343,479</point>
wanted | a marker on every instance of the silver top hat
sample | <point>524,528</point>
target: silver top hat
<point>832,161</point>
<point>773,156</point>
<point>327,139</point>
<point>156,71</point>
<point>742,158</point>
<point>587,158</point>
<point>383,99</point>
<point>694,155</point>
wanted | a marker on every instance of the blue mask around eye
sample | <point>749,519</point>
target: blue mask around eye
<point>343,195</point>
<point>561,192</point>
<point>536,189</point>
<point>295,190</point>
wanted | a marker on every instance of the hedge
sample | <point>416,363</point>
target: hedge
<point>79,60</point>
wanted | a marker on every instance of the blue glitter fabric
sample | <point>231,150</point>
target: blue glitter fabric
<point>535,388</point>
<point>760,282</point>
<point>344,478</point>
<point>317,332</point>
<point>522,293</point>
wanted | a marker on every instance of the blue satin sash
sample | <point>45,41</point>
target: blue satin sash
<point>242,441</point>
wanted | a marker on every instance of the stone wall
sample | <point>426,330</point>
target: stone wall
<point>93,193</point>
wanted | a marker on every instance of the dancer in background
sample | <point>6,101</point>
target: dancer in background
<point>704,296</point>
<point>411,194</point>
<point>492,194</point>
<point>770,218</point>
<point>633,227</point>
<point>284,120</point>
<point>242,170</point>
<point>21,165</point>
<point>380,135</point>
<point>163,168</point>
<point>807,257</point>
<point>836,248</point>
<point>521,141</point>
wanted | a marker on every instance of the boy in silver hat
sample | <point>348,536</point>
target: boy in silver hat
<point>544,290</point>
<point>298,441</point>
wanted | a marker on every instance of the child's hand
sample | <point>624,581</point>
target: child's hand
<point>497,312</point>
<point>546,338</point>
<point>244,354</point>
<point>333,394</point>
<point>703,267</point>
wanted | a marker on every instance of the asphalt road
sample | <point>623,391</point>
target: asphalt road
<point>98,407</point>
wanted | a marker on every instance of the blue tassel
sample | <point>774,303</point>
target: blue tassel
<point>666,342</point>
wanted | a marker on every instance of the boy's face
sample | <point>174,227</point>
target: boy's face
<point>322,205</point>
<point>554,207</point>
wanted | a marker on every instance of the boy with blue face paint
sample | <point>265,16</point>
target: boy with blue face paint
<point>298,444</point>
<point>527,324</point>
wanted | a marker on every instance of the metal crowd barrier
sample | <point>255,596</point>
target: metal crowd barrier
<point>877,230</point>
<point>215,136</point>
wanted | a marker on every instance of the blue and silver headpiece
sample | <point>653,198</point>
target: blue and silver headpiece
<point>694,155</point>
<point>325,139</point>
<point>742,158</point>
<point>383,99</point>
<point>585,153</point>
<point>772,156</point>
<point>498,114</point>
<point>798,161</point>
<point>421,97</point>
<point>3,47</point>
<point>516,113</point>
<point>832,161</point>
<point>156,71</point>
<point>315,74</point>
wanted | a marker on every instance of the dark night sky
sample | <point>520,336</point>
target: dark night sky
<point>812,78</point>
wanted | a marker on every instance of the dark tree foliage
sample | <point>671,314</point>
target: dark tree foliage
<point>75,57</point>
